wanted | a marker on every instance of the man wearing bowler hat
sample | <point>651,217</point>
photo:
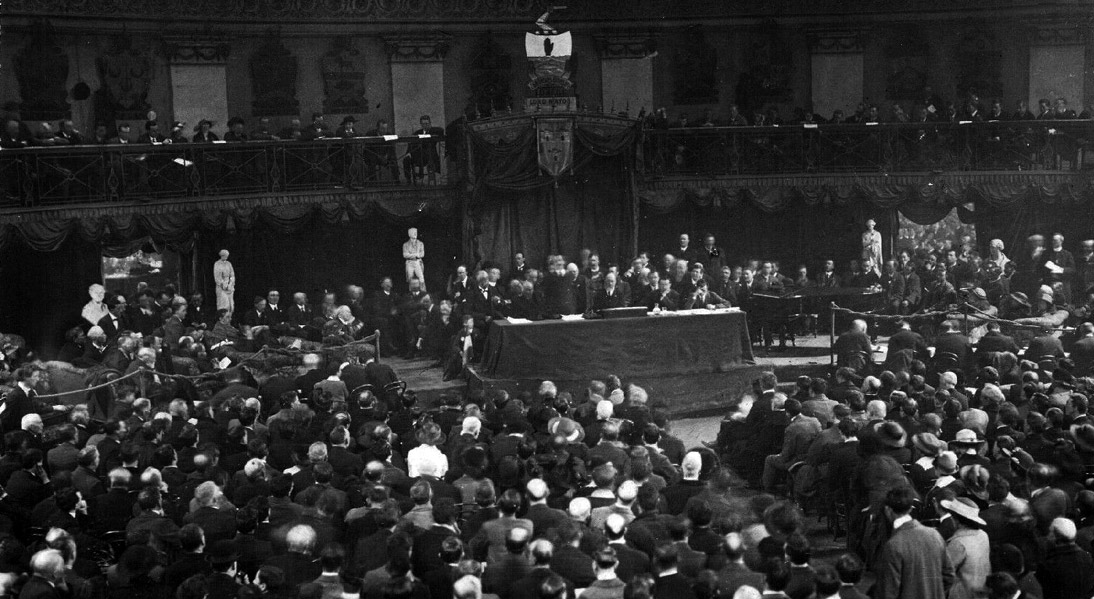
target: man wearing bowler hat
<point>222,582</point>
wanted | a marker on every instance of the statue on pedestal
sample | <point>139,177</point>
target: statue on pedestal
<point>414,254</point>
<point>225,277</point>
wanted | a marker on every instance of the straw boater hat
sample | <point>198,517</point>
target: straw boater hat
<point>570,429</point>
<point>967,440</point>
<point>964,508</point>
<point>430,433</point>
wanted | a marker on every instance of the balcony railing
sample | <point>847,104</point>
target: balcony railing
<point>891,147</point>
<point>71,175</point>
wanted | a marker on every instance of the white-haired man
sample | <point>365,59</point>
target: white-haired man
<point>853,348</point>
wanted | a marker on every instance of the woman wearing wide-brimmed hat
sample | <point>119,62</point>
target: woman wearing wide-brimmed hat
<point>968,548</point>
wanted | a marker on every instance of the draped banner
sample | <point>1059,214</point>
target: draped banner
<point>516,206</point>
<point>1008,206</point>
<point>175,223</point>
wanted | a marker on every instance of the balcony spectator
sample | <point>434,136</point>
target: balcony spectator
<point>736,119</point>
<point>1044,109</point>
<point>422,158</point>
<point>348,128</point>
<point>152,134</point>
<point>293,131</point>
<point>1021,112</point>
<point>67,130</point>
<point>382,157</point>
<point>318,128</point>
<point>235,130</point>
<point>177,136</point>
<point>100,137</point>
<point>203,133</point>
<point>123,135</point>
<point>1062,112</point>
<point>262,133</point>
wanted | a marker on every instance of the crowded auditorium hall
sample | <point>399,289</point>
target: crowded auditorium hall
<point>512,299</point>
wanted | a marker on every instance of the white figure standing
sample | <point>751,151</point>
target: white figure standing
<point>225,277</point>
<point>871,246</point>
<point>95,310</point>
<point>414,253</point>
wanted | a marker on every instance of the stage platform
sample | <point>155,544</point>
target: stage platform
<point>688,395</point>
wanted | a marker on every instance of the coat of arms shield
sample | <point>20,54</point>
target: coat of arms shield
<point>555,144</point>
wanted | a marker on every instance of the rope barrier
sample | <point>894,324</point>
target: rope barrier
<point>92,388</point>
<point>981,315</point>
<point>265,349</point>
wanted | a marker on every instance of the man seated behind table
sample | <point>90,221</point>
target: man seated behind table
<point>704,298</point>
<point>610,295</point>
<point>664,298</point>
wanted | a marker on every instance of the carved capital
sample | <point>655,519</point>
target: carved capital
<point>1057,33</point>
<point>836,41</point>
<point>424,48</point>
<point>190,49</point>
<point>625,45</point>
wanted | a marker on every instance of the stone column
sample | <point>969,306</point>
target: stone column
<point>1057,57</point>
<point>836,70</point>
<point>417,79</point>
<point>199,81</point>
<point>626,71</point>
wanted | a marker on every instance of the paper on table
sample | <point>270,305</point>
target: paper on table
<point>515,320</point>
<point>391,137</point>
<point>572,317</point>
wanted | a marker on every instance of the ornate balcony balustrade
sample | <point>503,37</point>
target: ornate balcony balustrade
<point>892,147</point>
<point>40,177</point>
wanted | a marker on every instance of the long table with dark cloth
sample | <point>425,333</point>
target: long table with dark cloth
<point>650,346</point>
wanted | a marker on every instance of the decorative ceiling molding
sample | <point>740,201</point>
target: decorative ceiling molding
<point>196,49</point>
<point>1057,33</point>
<point>421,48</point>
<point>626,45</point>
<point>836,41</point>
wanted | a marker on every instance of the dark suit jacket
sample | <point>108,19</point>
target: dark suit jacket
<point>828,280</point>
<point>18,405</point>
<point>1082,353</point>
<point>673,586</point>
<point>39,588</point>
<point>631,561</point>
<point>997,342</point>
<point>954,343</point>
<point>427,549</point>
<point>573,565</point>
<point>111,510</point>
<point>1067,572</point>
<point>482,306</point>
<point>669,301</point>
<point>529,585</point>
<point>544,518</point>
<point>1043,346</point>
<point>906,339</point>
<point>604,300</point>
<point>116,359</point>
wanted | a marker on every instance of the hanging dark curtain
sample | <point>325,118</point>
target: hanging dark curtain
<point>317,256</point>
<point>587,211</point>
<point>43,292</point>
<point>798,233</point>
<point>516,207</point>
